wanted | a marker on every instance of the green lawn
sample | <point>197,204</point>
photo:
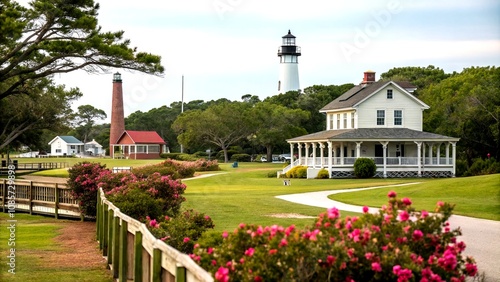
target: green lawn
<point>245,194</point>
<point>473,196</point>
<point>35,243</point>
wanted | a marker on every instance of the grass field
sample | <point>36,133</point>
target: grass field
<point>35,247</point>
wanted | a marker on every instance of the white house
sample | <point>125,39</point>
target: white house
<point>65,145</point>
<point>380,120</point>
<point>93,148</point>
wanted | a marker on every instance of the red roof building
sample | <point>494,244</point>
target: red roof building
<point>140,145</point>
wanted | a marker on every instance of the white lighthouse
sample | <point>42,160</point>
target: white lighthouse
<point>289,68</point>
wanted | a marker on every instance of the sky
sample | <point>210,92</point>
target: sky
<point>228,48</point>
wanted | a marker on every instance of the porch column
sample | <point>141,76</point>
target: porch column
<point>438,154</point>
<point>330,149</point>
<point>334,148</point>
<point>384,149</point>
<point>307,153</point>
<point>314,155</point>
<point>322,155</point>
<point>431,145</point>
<point>341,153</point>
<point>423,154</point>
<point>454,156</point>
<point>419,157</point>
<point>358,149</point>
<point>291,154</point>
<point>299,148</point>
<point>448,153</point>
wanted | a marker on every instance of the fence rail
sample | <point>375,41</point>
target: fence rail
<point>133,253</point>
<point>38,197</point>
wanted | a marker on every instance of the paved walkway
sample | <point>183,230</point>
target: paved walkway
<point>481,236</point>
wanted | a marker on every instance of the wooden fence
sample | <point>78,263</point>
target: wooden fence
<point>134,254</point>
<point>40,198</point>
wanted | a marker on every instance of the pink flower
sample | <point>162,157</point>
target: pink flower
<point>273,251</point>
<point>417,235</point>
<point>471,269</point>
<point>210,250</point>
<point>330,259</point>
<point>369,256</point>
<point>365,209</point>
<point>224,234</point>
<point>376,267</point>
<point>333,213</point>
<point>424,214</point>
<point>249,252</point>
<point>283,242</point>
<point>404,216</point>
<point>186,239</point>
<point>406,201</point>
<point>392,194</point>
<point>222,274</point>
<point>440,204</point>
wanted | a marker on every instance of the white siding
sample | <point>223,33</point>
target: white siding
<point>412,111</point>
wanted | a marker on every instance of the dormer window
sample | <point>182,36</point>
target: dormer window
<point>389,93</point>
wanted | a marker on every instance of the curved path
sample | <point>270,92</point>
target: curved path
<point>481,236</point>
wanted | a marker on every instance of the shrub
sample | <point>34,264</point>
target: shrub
<point>83,180</point>
<point>323,174</point>
<point>137,204</point>
<point>364,168</point>
<point>173,156</point>
<point>299,171</point>
<point>482,167</point>
<point>181,231</point>
<point>385,246</point>
<point>241,158</point>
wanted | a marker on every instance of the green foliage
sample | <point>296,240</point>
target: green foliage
<point>385,246</point>
<point>137,204</point>
<point>482,167</point>
<point>83,179</point>
<point>176,169</point>
<point>364,168</point>
<point>173,156</point>
<point>323,174</point>
<point>419,76</point>
<point>181,231</point>
<point>241,158</point>
<point>299,171</point>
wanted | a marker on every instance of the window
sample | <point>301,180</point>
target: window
<point>141,149</point>
<point>352,120</point>
<point>338,121</point>
<point>398,117</point>
<point>331,121</point>
<point>380,117</point>
<point>153,148</point>
<point>58,151</point>
<point>345,120</point>
<point>72,147</point>
<point>389,93</point>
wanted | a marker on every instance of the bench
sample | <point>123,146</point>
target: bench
<point>235,164</point>
<point>117,169</point>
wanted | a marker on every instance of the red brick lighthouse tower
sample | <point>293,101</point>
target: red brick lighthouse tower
<point>117,116</point>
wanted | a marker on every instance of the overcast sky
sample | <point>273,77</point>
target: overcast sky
<point>228,48</point>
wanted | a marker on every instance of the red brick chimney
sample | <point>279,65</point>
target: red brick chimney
<point>117,116</point>
<point>369,77</point>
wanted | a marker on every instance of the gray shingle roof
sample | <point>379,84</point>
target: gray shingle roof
<point>70,139</point>
<point>373,134</point>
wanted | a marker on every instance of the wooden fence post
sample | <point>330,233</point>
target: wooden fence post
<point>156,265</point>
<point>4,194</point>
<point>138,257</point>
<point>180,274</point>
<point>105,230</point>
<point>98,216</point>
<point>56,202</point>
<point>30,197</point>
<point>110,236</point>
<point>116,246</point>
<point>123,252</point>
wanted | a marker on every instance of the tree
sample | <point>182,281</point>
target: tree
<point>467,105</point>
<point>273,124</point>
<point>419,76</point>
<point>22,117</point>
<point>221,124</point>
<point>60,36</point>
<point>85,118</point>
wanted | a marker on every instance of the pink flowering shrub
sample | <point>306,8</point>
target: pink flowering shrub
<point>177,169</point>
<point>181,231</point>
<point>163,190</point>
<point>396,244</point>
<point>83,180</point>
